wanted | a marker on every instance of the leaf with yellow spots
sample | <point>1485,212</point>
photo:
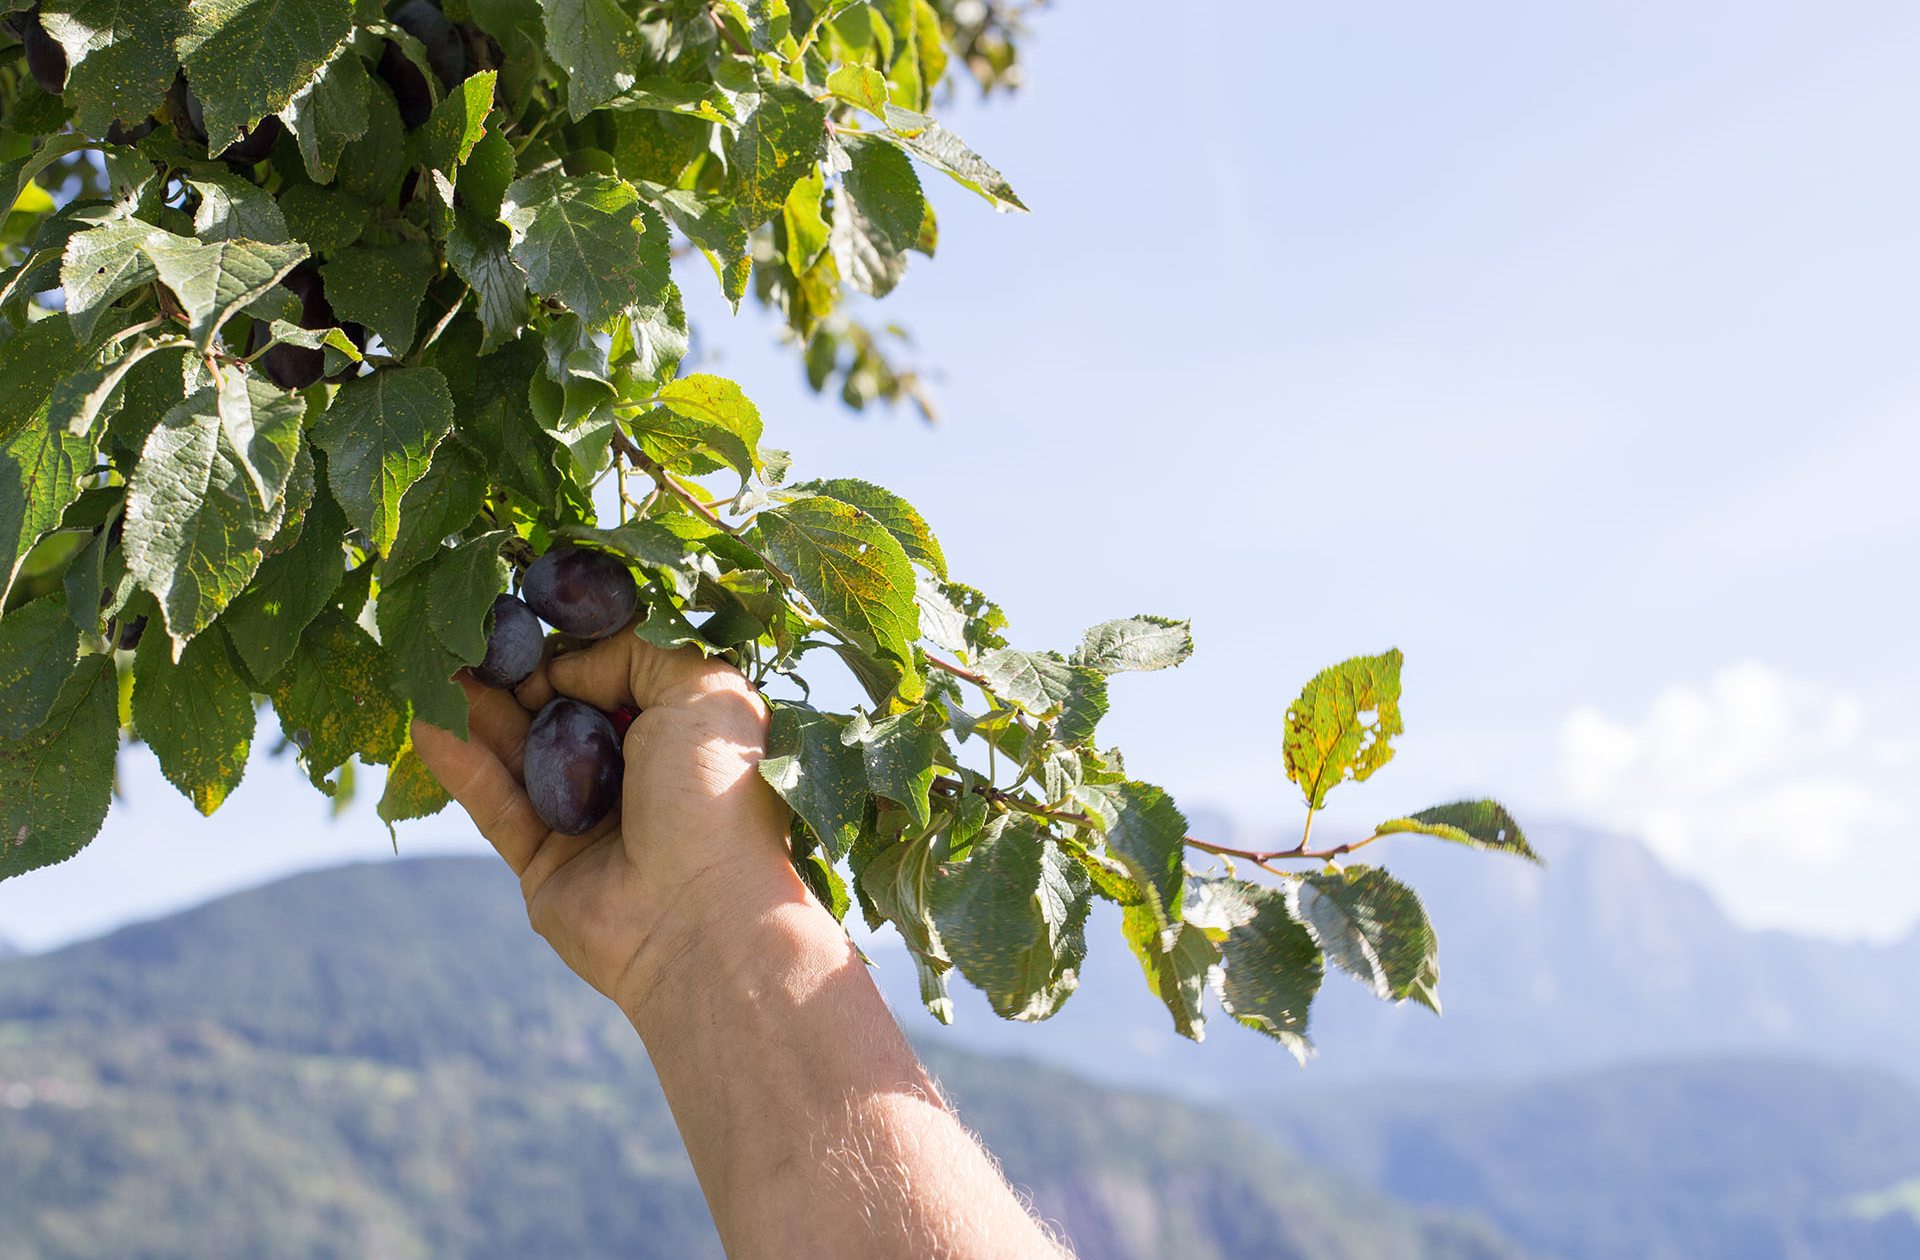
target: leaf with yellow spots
<point>333,698</point>
<point>1343,724</point>
<point>195,713</point>
<point>249,58</point>
<point>412,791</point>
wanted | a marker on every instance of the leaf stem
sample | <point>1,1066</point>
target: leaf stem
<point>433,334</point>
<point>958,671</point>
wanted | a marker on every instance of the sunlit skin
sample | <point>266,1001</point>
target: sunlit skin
<point>814,1129</point>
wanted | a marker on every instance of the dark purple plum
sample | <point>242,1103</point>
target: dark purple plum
<point>120,133</point>
<point>576,590</point>
<point>572,766</point>
<point>253,143</point>
<point>446,50</point>
<point>446,53</point>
<point>296,367</point>
<point>514,643</point>
<point>45,57</point>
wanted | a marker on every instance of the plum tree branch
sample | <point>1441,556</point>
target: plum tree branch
<point>948,786</point>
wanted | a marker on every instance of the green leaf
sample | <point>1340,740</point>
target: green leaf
<point>1013,918</point>
<point>816,871</point>
<point>817,773</point>
<point>479,253</point>
<point>261,426</point>
<point>876,214</point>
<point>195,527</point>
<point>805,214</point>
<point>713,403</point>
<point>56,781</point>
<point>120,58</point>
<point>899,755</point>
<point>457,122</point>
<point>232,208</point>
<point>99,267</point>
<point>461,592</point>
<point>1135,643</point>
<point>214,279</point>
<point>411,791</point>
<point>329,112</point>
<point>78,401</point>
<point>944,151</point>
<point>1178,973</point>
<point>441,503</point>
<point>1043,684</point>
<point>1272,968</point>
<point>1148,834</point>
<point>895,515</point>
<point>596,43</point>
<point>373,164</point>
<point>420,666</point>
<point>40,473</point>
<point>265,621</point>
<point>671,96</point>
<point>776,144</point>
<point>379,437</point>
<point>380,286</point>
<point>38,646</point>
<point>1342,726</point>
<point>713,224</point>
<point>1374,927</point>
<point>33,362</point>
<point>247,58</point>
<point>196,714</point>
<point>862,86</point>
<point>584,239</point>
<point>333,700</point>
<point>896,886</point>
<point>327,219</point>
<point>850,569</point>
<point>1476,824</point>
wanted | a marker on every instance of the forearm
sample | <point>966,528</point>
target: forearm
<point>813,1127</point>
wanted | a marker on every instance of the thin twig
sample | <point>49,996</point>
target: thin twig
<point>726,34</point>
<point>946,785</point>
<point>958,671</point>
<point>433,334</point>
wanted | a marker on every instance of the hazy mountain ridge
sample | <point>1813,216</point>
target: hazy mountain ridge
<point>383,1061</point>
<point>1601,958</point>
<point>1710,1160</point>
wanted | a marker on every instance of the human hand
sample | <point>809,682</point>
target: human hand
<point>696,826</point>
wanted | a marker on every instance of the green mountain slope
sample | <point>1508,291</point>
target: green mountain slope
<point>383,1062</point>
<point>1708,1160</point>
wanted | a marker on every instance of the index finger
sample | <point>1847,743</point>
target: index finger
<point>624,669</point>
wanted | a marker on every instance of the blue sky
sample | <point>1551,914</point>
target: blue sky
<point>1568,348</point>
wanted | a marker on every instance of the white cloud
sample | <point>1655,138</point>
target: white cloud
<point>1769,788</point>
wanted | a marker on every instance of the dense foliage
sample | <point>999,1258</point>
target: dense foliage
<point>325,319</point>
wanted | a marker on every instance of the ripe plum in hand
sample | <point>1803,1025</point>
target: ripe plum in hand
<point>572,765</point>
<point>580,591</point>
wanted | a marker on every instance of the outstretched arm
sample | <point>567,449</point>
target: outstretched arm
<point>814,1129</point>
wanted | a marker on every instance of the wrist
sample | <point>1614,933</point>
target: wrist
<point>725,929</point>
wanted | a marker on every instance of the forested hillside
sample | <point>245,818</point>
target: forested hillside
<point>382,1061</point>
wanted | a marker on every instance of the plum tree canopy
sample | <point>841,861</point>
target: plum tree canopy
<point>323,319</point>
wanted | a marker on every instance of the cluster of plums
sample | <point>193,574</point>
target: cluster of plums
<point>572,765</point>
